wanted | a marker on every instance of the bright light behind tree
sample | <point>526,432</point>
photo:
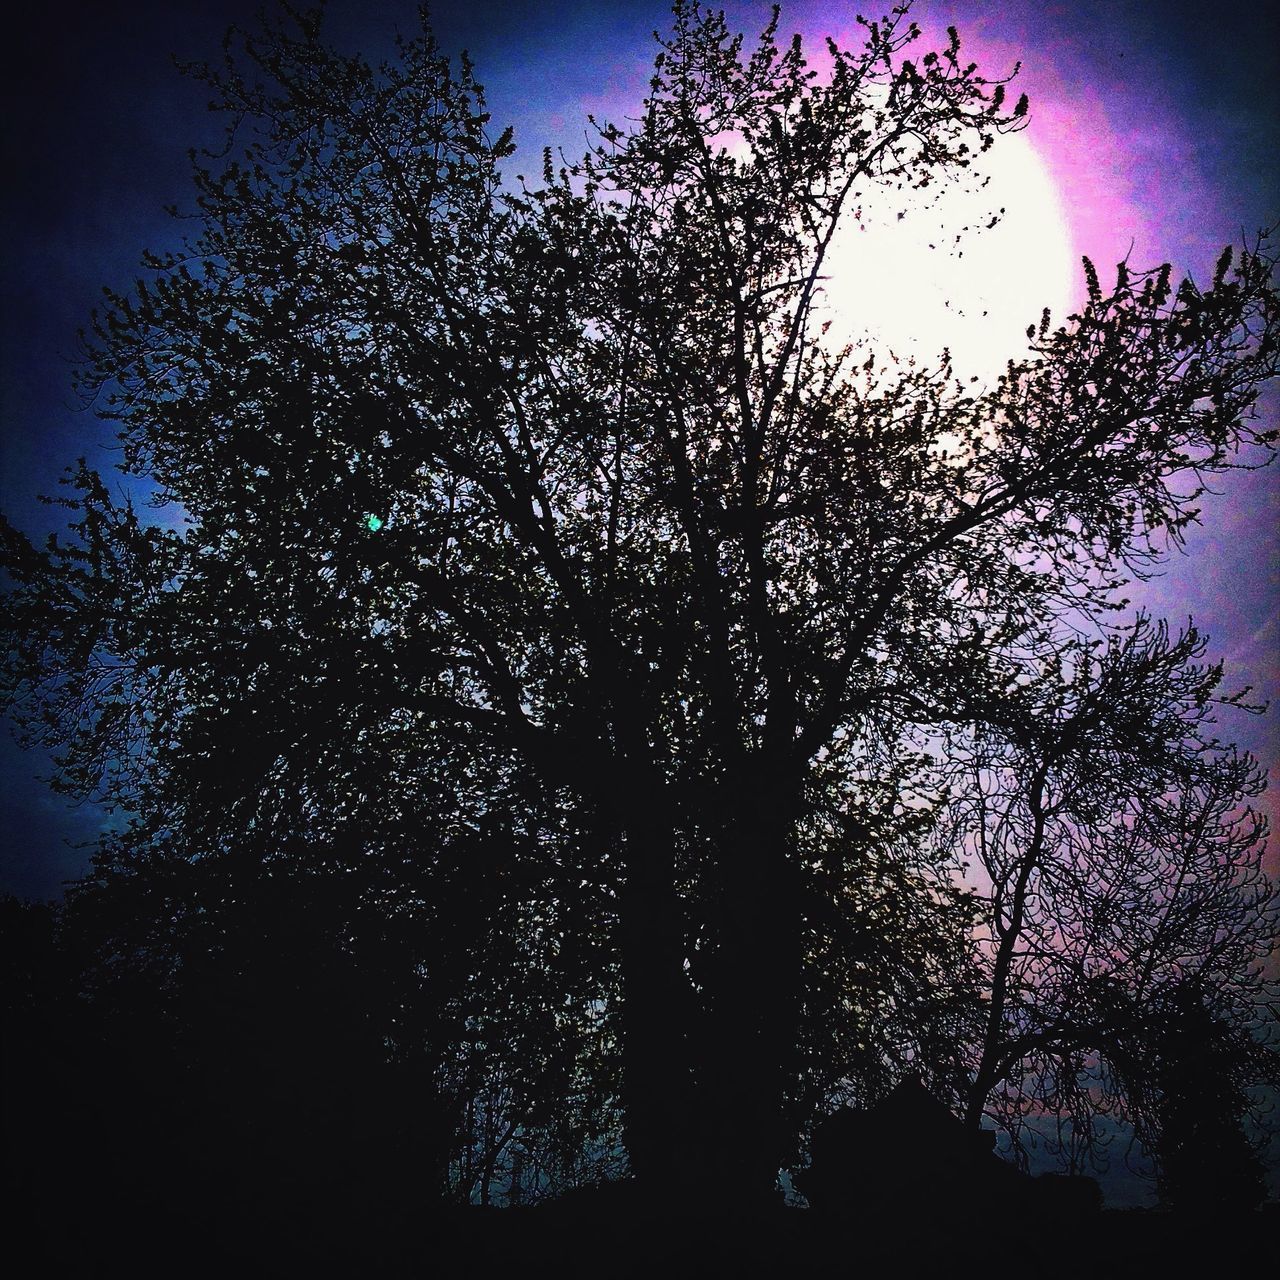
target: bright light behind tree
<point>909,284</point>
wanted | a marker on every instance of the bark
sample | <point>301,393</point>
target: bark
<point>658,1008</point>
<point>751,1057</point>
<point>1010,933</point>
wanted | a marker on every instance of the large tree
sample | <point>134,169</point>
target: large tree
<point>547,575</point>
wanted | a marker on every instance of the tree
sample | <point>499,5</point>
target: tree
<point>544,565</point>
<point>1124,866</point>
<point>1197,1099</point>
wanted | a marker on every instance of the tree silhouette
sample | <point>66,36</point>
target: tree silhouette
<point>552,596</point>
<point>1206,1162</point>
<point>1124,863</point>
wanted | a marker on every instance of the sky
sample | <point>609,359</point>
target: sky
<point>1155,132</point>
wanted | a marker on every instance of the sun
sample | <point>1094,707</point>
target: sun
<point>944,276</point>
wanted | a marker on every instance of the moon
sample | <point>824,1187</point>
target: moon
<point>942,276</point>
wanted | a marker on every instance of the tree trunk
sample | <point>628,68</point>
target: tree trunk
<point>657,1011</point>
<point>752,1053</point>
<point>1010,934</point>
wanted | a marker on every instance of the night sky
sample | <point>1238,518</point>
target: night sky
<point>1158,122</point>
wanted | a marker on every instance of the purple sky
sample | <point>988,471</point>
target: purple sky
<point>1161,127</point>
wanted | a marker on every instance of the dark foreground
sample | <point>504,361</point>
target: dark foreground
<point>556,1241</point>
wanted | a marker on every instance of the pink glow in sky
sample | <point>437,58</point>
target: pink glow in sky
<point>1155,154</point>
<point>1159,148</point>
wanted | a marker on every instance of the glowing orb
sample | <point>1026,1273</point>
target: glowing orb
<point>941,276</point>
<point>374,523</point>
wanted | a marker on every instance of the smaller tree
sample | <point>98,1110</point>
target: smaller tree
<point>1195,1102</point>
<point>1123,864</point>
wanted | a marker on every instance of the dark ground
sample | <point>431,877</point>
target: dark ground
<point>551,1241</point>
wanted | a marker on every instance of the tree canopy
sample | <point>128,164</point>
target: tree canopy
<point>613,674</point>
